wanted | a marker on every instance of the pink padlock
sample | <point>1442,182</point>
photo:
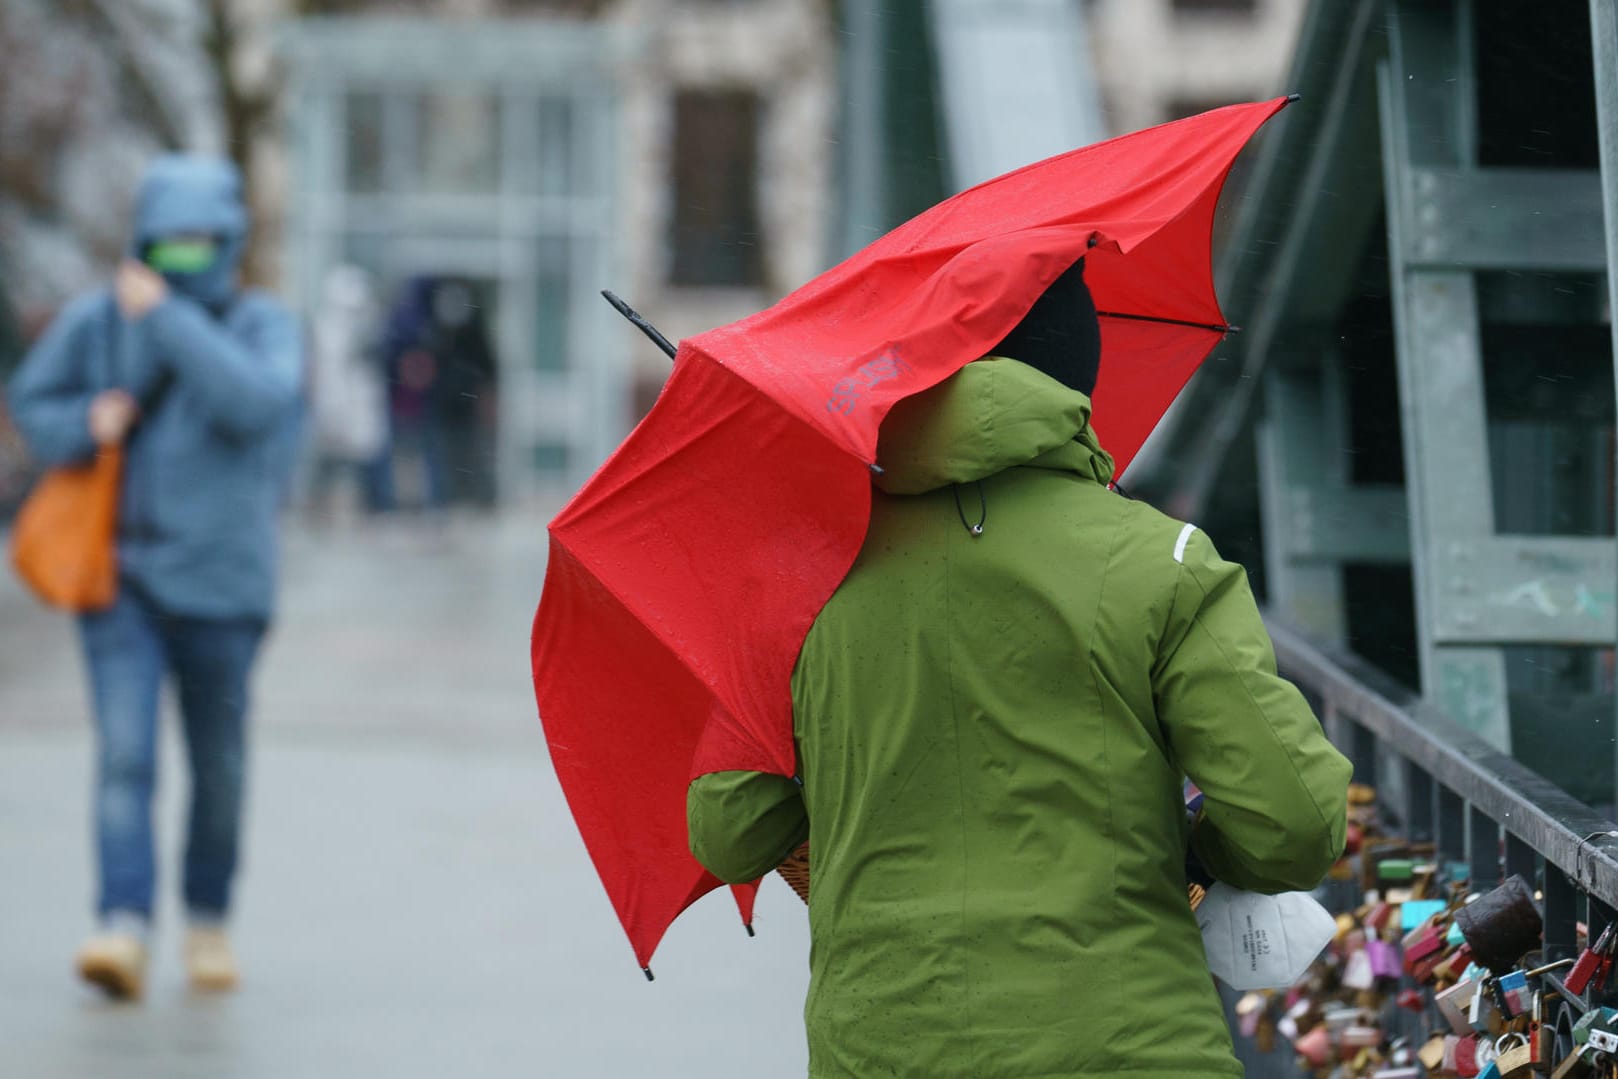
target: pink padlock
<point>1384,958</point>
<point>1315,1047</point>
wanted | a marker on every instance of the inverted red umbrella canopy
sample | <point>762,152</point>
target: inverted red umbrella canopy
<point>685,574</point>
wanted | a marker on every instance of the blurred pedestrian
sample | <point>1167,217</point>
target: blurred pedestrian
<point>459,340</point>
<point>347,390</point>
<point>199,381</point>
<point>416,390</point>
<point>994,714</point>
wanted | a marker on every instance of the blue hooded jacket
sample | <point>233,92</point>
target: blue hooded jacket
<point>218,373</point>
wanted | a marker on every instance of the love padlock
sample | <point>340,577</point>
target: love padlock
<point>1383,957</point>
<point>1514,1058</point>
<point>1314,1046</point>
<point>1472,1054</point>
<point>1421,942</point>
<point>1455,1005</point>
<point>1576,1066</point>
<point>1501,925</point>
<point>1593,963</point>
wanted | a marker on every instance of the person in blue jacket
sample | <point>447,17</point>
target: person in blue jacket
<point>200,382</point>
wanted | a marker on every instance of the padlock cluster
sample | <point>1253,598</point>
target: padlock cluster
<point>1464,965</point>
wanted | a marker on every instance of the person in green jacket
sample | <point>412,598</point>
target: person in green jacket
<point>994,716</point>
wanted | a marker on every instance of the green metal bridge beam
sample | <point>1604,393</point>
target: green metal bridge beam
<point>1449,218</point>
<point>1300,448</point>
<point>1457,219</point>
<point>1429,122</point>
<point>1604,46</point>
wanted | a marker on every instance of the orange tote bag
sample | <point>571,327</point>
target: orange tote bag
<point>64,541</point>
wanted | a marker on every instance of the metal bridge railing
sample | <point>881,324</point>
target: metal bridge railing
<point>1440,783</point>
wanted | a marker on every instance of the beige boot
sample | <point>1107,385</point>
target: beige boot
<point>115,961</point>
<point>209,961</point>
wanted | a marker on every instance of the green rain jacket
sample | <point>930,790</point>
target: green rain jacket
<point>992,732</point>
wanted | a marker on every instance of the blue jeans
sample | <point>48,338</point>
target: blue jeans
<point>129,648</point>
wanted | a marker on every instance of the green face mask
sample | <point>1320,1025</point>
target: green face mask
<point>181,256</point>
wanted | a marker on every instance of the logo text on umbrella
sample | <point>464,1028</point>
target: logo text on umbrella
<point>846,393</point>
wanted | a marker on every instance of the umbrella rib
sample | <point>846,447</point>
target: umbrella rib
<point>663,343</point>
<point>1215,327</point>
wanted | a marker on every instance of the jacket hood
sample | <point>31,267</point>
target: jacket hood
<point>991,415</point>
<point>193,193</point>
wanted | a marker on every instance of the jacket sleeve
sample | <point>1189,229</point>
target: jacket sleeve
<point>1275,790</point>
<point>246,387</point>
<point>49,396</point>
<point>744,824</point>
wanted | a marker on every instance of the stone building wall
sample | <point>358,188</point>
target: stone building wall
<point>1161,59</point>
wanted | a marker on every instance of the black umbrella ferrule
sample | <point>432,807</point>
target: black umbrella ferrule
<point>640,322</point>
<point>1293,99</point>
<point>749,927</point>
<point>648,972</point>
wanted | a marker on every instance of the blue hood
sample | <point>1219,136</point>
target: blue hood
<point>186,193</point>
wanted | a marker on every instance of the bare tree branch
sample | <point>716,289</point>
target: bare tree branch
<point>121,26</point>
<point>246,112</point>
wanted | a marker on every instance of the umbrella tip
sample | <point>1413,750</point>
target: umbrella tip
<point>648,972</point>
<point>1293,99</point>
<point>876,469</point>
<point>749,927</point>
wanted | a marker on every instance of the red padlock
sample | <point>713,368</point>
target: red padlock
<point>1466,1057</point>
<point>1540,1037</point>
<point>1578,979</point>
<point>1591,961</point>
<point>1425,970</point>
<point>1420,943</point>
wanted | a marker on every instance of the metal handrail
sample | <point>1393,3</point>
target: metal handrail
<point>1442,783</point>
<point>1367,713</point>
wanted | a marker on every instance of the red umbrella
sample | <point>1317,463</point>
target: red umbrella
<point>685,574</point>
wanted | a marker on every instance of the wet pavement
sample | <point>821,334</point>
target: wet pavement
<point>415,900</point>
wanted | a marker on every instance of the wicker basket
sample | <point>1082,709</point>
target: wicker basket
<point>795,871</point>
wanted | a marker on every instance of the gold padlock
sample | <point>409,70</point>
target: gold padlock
<point>1517,1061</point>
<point>1431,1055</point>
<point>1572,1067</point>
<point>1264,1036</point>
